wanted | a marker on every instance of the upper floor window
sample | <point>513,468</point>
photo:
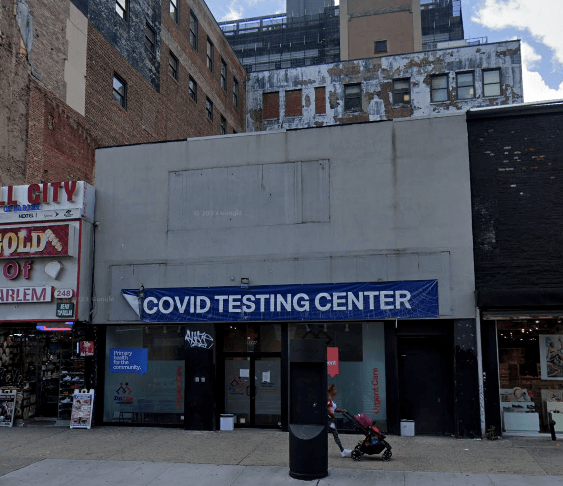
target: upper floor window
<point>491,82</point>
<point>465,85</point>
<point>150,38</point>
<point>173,66</point>
<point>193,30</point>
<point>439,88</point>
<point>223,75</point>
<point>209,108</point>
<point>174,10</point>
<point>353,97</point>
<point>235,92</point>
<point>210,54</point>
<point>380,46</point>
<point>119,91</point>
<point>192,89</point>
<point>401,91</point>
<point>121,8</point>
<point>223,125</point>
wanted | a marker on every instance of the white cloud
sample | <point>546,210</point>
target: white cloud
<point>535,88</point>
<point>541,18</point>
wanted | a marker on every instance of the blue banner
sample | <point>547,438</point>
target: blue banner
<point>415,299</point>
<point>130,360</point>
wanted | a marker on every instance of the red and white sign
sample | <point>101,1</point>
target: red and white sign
<point>332,364</point>
<point>35,241</point>
<point>25,295</point>
<point>38,193</point>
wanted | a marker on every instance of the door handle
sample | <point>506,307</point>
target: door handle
<point>247,391</point>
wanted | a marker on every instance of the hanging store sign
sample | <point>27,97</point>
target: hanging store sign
<point>417,299</point>
<point>47,202</point>
<point>36,241</point>
<point>332,362</point>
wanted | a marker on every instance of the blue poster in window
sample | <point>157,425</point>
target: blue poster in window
<point>128,360</point>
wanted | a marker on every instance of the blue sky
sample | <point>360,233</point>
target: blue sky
<point>536,22</point>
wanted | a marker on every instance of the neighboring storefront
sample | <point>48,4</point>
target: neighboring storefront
<point>516,156</point>
<point>215,253</point>
<point>46,250</point>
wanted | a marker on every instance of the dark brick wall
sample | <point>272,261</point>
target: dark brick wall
<point>50,49</point>
<point>517,196</point>
<point>14,94</point>
<point>271,105</point>
<point>128,36</point>
<point>293,103</point>
<point>59,146</point>
<point>320,100</point>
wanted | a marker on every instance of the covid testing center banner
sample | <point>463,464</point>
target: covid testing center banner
<point>414,299</point>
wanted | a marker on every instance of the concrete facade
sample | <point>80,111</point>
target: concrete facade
<point>376,79</point>
<point>252,205</point>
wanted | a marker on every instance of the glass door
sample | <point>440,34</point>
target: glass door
<point>238,389</point>
<point>267,391</point>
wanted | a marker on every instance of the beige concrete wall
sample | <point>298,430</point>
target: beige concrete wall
<point>75,64</point>
<point>366,21</point>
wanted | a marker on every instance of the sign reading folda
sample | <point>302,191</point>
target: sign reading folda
<point>35,241</point>
<point>415,299</point>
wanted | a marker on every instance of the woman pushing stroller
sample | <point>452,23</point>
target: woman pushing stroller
<point>332,409</point>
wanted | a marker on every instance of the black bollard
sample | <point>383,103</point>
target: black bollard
<point>552,429</point>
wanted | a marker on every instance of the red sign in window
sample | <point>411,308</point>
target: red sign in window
<point>332,362</point>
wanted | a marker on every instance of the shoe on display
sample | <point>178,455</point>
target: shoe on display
<point>346,453</point>
<point>66,400</point>
<point>67,378</point>
<point>77,378</point>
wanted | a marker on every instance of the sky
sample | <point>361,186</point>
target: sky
<point>537,23</point>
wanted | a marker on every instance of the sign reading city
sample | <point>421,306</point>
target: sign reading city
<point>46,202</point>
<point>416,299</point>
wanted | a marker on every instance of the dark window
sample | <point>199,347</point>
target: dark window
<point>401,91</point>
<point>210,54</point>
<point>192,88</point>
<point>119,91</point>
<point>121,8</point>
<point>235,92</point>
<point>150,38</point>
<point>353,97</point>
<point>174,10</point>
<point>223,125</point>
<point>209,108</point>
<point>380,46</point>
<point>223,75</point>
<point>465,85</point>
<point>173,66</point>
<point>491,82</point>
<point>439,88</point>
<point>193,30</point>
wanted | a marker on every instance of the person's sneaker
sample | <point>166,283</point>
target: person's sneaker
<point>346,453</point>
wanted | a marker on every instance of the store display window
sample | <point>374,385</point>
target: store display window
<point>531,374</point>
<point>359,374</point>
<point>144,375</point>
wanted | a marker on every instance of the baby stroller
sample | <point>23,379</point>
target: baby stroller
<point>374,441</point>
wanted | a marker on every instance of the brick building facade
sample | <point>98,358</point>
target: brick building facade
<point>516,168</point>
<point>179,78</point>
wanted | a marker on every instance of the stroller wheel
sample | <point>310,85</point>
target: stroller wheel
<point>356,455</point>
<point>387,455</point>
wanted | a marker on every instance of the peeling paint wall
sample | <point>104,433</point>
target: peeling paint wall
<point>376,76</point>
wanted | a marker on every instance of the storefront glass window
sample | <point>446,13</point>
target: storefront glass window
<point>531,374</point>
<point>252,338</point>
<point>360,377</point>
<point>144,376</point>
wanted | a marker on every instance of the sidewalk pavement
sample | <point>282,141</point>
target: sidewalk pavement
<point>142,456</point>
